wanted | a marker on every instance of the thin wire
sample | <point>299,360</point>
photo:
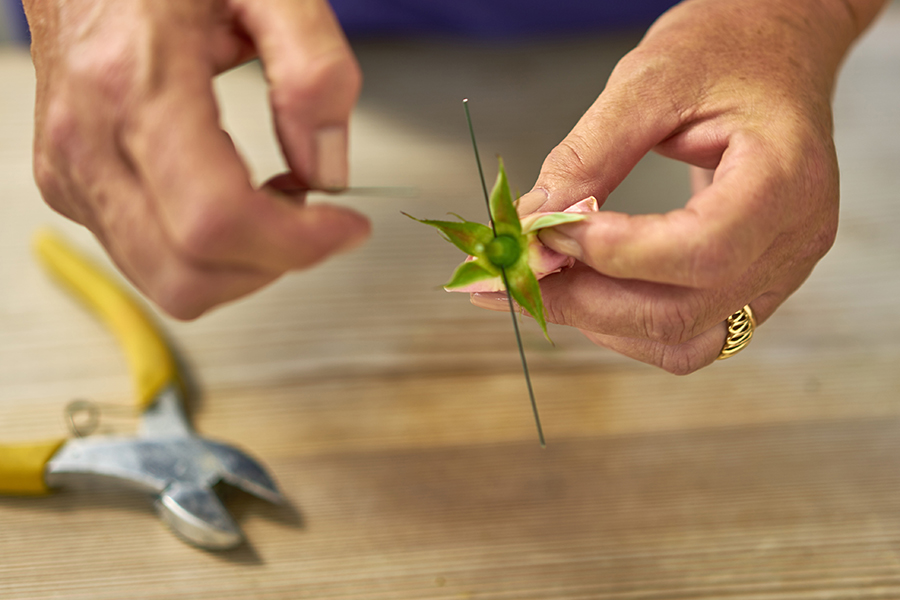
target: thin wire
<point>487,200</point>
<point>512,310</point>
<point>371,191</point>
<point>534,408</point>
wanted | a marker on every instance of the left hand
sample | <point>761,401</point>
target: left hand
<point>128,139</point>
<point>741,91</point>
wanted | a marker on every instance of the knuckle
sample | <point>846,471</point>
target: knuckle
<point>714,263</point>
<point>681,360</point>
<point>669,323</point>
<point>107,70</point>
<point>650,80</point>
<point>200,230</point>
<point>58,153</point>
<point>554,313</point>
<point>60,132</point>
<point>825,238</point>
<point>351,75</point>
<point>335,75</point>
<point>180,290</point>
<point>562,306</point>
<point>636,67</point>
<point>568,161</point>
<point>819,224</point>
<point>46,178</point>
<point>181,299</point>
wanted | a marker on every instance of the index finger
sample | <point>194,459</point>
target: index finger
<point>201,189</point>
<point>314,80</point>
<point>722,230</point>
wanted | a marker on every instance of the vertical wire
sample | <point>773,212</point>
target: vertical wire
<point>512,310</point>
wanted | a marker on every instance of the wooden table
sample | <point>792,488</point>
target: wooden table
<point>394,415</point>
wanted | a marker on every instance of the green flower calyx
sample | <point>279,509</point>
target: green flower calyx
<point>503,251</point>
<point>500,250</point>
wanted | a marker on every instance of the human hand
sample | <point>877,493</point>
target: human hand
<point>741,91</point>
<point>128,142</point>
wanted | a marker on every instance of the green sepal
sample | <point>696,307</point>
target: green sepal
<point>526,291</point>
<point>503,210</point>
<point>470,272</point>
<point>474,239</point>
<point>471,238</point>
<point>554,219</point>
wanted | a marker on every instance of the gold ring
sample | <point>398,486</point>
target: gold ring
<point>740,329</point>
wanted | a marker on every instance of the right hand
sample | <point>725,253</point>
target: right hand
<point>128,142</point>
<point>741,91</point>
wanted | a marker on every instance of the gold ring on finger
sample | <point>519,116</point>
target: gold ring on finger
<point>740,329</point>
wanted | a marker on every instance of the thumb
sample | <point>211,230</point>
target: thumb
<point>625,122</point>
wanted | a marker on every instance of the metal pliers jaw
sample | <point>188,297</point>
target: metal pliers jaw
<point>166,458</point>
<point>170,461</point>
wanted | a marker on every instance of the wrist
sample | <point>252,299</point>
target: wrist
<point>797,45</point>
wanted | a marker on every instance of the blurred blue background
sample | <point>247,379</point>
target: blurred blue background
<point>475,18</point>
<point>13,27</point>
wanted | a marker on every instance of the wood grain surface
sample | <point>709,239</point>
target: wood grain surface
<point>394,415</point>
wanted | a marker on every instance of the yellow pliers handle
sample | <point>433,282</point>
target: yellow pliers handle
<point>150,360</point>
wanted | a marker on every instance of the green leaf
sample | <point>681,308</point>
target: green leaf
<point>525,289</point>
<point>503,211</point>
<point>554,219</point>
<point>471,238</point>
<point>468,273</point>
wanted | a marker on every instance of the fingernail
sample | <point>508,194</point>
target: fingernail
<point>531,201</point>
<point>498,301</point>
<point>562,243</point>
<point>490,301</point>
<point>331,154</point>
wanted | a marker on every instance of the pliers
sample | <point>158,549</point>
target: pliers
<point>166,457</point>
